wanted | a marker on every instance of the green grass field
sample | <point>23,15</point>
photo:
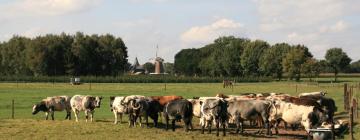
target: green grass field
<point>27,126</point>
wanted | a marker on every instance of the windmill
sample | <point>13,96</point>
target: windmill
<point>158,62</point>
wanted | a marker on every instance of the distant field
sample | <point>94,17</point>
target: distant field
<point>27,126</point>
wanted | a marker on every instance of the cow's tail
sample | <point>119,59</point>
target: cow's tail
<point>190,109</point>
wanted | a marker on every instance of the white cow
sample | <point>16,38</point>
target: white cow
<point>85,103</point>
<point>117,108</point>
<point>307,116</point>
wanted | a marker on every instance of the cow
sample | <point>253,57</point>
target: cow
<point>319,93</point>
<point>228,83</point>
<point>163,100</point>
<point>52,104</point>
<point>240,110</point>
<point>176,110</point>
<point>138,108</point>
<point>327,104</point>
<point>126,99</point>
<point>196,104</point>
<point>213,110</point>
<point>85,103</point>
<point>117,108</point>
<point>307,116</point>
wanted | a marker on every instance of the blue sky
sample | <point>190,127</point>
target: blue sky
<point>177,24</point>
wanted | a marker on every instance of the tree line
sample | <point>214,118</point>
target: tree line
<point>63,54</point>
<point>240,57</point>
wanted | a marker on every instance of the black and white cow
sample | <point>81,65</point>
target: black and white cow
<point>213,110</point>
<point>117,108</point>
<point>138,108</point>
<point>52,104</point>
<point>85,103</point>
<point>307,116</point>
<point>176,110</point>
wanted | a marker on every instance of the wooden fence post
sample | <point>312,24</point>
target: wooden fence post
<point>165,86</point>
<point>12,109</point>
<point>296,89</point>
<point>354,105</point>
<point>90,86</point>
<point>345,96</point>
<point>351,123</point>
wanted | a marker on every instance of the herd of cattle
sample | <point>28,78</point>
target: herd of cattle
<point>266,110</point>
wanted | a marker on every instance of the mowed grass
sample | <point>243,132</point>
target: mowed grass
<point>28,126</point>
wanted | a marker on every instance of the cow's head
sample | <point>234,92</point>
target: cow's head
<point>39,107</point>
<point>98,101</point>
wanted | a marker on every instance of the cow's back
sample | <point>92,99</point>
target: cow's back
<point>76,102</point>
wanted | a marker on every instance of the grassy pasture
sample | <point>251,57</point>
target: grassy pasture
<point>27,126</point>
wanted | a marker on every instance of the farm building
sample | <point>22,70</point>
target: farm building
<point>136,68</point>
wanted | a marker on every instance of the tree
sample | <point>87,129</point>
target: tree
<point>270,63</point>
<point>169,68</point>
<point>13,56</point>
<point>149,67</point>
<point>337,59</point>
<point>355,67</point>
<point>311,68</point>
<point>251,56</point>
<point>187,62</point>
<point>293,61</point>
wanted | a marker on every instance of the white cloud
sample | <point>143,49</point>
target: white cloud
<point>338,27</point>
<point>210,32</point>
<point>290,14</point>
<point>318,24</point>
<point>25,8</point>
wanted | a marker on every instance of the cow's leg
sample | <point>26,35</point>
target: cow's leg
<point>209,126</point>
<point>140,121</point>
<point>120,115</point>
<point>76,113</point>
<point>52,114</point>
<point>173,124</point>
<point>86,115</point>
<point>217,127</point>
<point>277,123</point>
<point>241,126</point>
<point>92,115</point>
<point>68,114</point>
<point>187,122</point>
<point>237,121</point>
<point>267,125</point>
<point>167,122</point>
<point>46,115</point>
<point>224,127</point>
<point>116,117</point>
<point>156,117</point>
<point>130,120</point>
<point>147,120</point>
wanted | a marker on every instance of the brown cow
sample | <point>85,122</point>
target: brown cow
<point>163,100</point>
<point>227,83</point>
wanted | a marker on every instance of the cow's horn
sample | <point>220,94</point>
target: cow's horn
<point>135,108</point>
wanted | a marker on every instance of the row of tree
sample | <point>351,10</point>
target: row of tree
<point>63,54</point>
<point>230,56</point>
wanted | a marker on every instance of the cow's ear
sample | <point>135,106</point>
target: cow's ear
<point>201,102</point>
<point>101,97</point>
<point>112,97</point>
